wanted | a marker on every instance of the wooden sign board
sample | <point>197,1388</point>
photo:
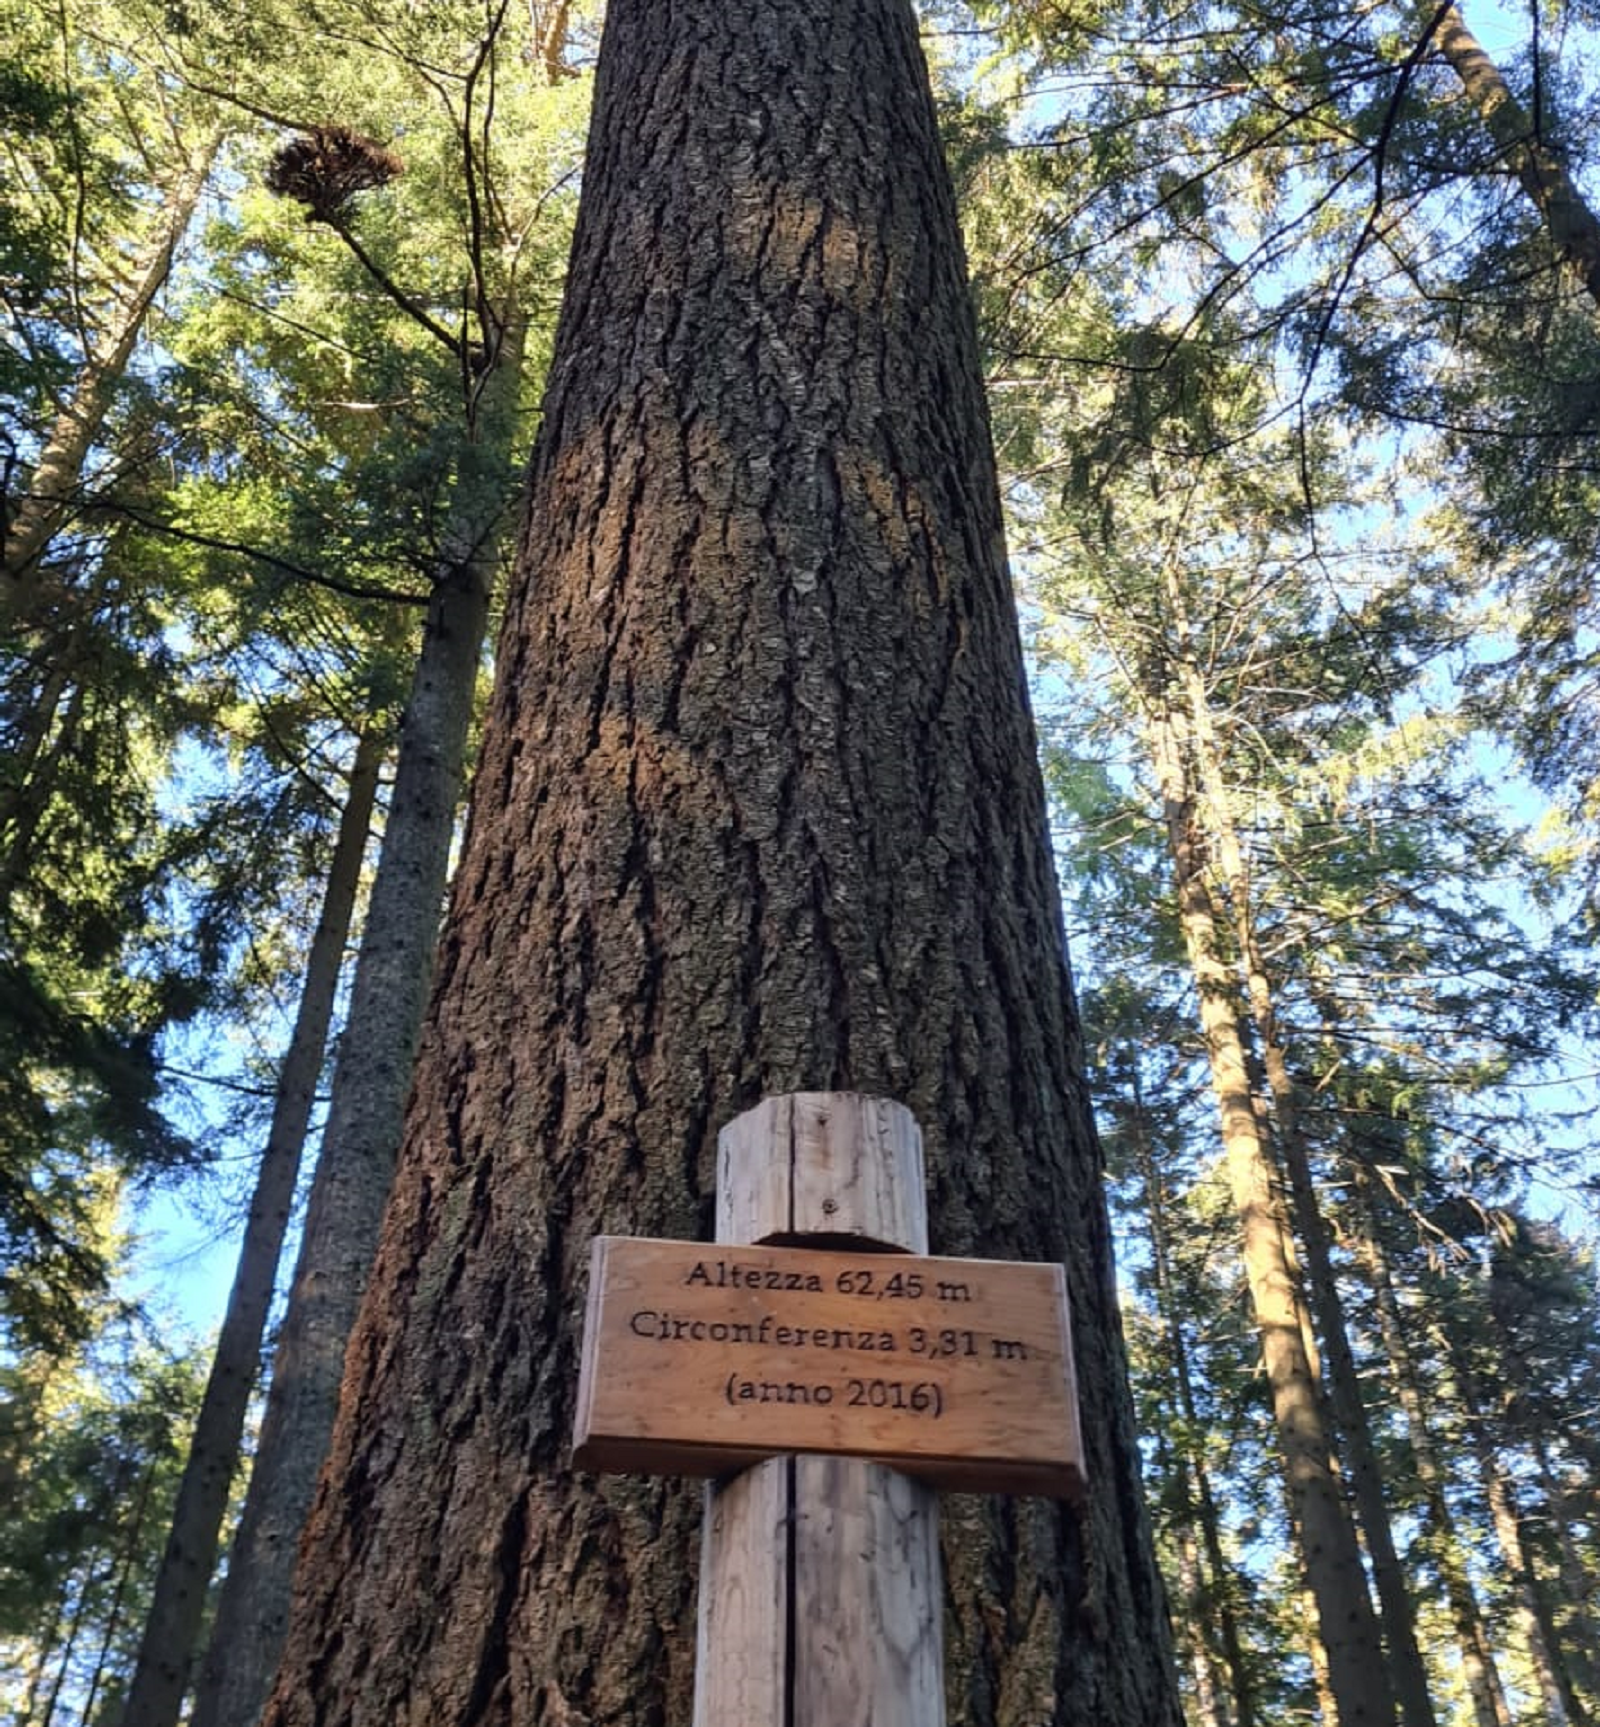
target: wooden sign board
<point>700,1360</point>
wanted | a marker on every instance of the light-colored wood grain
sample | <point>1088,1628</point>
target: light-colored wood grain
<point>823,1163</point>
<point>701,1359</point>
<point>866,1656</point>
<point>742,1635</point>
<point>854,1562</point>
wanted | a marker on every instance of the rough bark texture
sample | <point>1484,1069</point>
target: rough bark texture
<point>172,1627</point>
<point>758,812</point>
<point>355,1166</point>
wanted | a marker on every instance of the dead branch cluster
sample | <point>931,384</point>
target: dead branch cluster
<point>327,166</point>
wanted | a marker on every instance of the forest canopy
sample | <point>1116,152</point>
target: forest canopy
<point>1290,329</point>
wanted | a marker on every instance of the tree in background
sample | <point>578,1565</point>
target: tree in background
<point>757,811</point>
<point>472,109</point>
<point>88,1515</point>
<point>1287,374</point>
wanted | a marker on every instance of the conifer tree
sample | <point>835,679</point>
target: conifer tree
<point>757,812</point>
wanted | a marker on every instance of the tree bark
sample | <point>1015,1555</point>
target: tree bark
<point>1561,1702</point>
<point>758,811</point>
<point>54,490</point>
<point>1477,1652</point>
<point>177,1607</point>
<point>1573,227</point>
<point>1346,1624</point>
<point>356,1164</point>
<point>1409,1675</point>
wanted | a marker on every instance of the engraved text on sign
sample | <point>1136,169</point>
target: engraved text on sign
<point>701,1359</point>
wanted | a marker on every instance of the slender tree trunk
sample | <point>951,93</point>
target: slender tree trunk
<point>1191,1616</point>
<point>1573,1636</point>
<point>43,1648</point>
<point>1357,1669</point>
<point>1477,1654</point>
<point>1168,1301</point>
<point>758,811</point>
<point>1538,1626</point>
<point>1410,1677</point>
<point>1349,1410</point>
<point>177,1606</point>
<point>1533,1608</point>
<point>1575,1624</point>
<point>93,1577</point>
<point>1574,228</point>
<point>356,1164</point>
<point>130,1558</point>
<point>551,24</point>
<point>54,490</point>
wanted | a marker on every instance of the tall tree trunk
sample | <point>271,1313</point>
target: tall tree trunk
<point>1317,1657</point>
<point>1489,1704</point>
<point>54,489</point>
<point>177,1605</point>
<point>1561,1702</point>
<point>83,1605</point>
<point>1190,1615</point>
<point>43,1648</point>
<point>356,1164</point>
<point>758,811</point>
<point>131,1557</point>
<point>1169,1302</point>
<point>1575,1637</point>
<point>1346,1625</point>
<point>1573,227</point>
<point>1409,1675</point>
<point>1574,1624</point>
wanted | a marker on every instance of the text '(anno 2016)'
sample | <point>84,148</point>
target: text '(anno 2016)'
<point>701,1362</point>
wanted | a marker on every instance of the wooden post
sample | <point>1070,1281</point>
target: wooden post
<point>820,1594</point>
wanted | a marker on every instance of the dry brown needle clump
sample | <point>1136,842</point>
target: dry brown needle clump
<point>327,166</point>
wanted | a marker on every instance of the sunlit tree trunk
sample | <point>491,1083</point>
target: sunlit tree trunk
<point>55,487</point>
<point>1489,1704</point>
<point>1573,226</point>
<point>356,1163</point>
<point>1533,1607</point>
<point>1347,1627</point>
<point>1410,1677</point>
<point>758,811</point>
<point>177,1607</point>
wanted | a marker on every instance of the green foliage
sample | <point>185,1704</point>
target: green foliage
<point>1284,376</point>
<point>90,1456</point>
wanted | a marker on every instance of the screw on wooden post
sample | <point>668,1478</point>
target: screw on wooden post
<point>820,1593</point>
